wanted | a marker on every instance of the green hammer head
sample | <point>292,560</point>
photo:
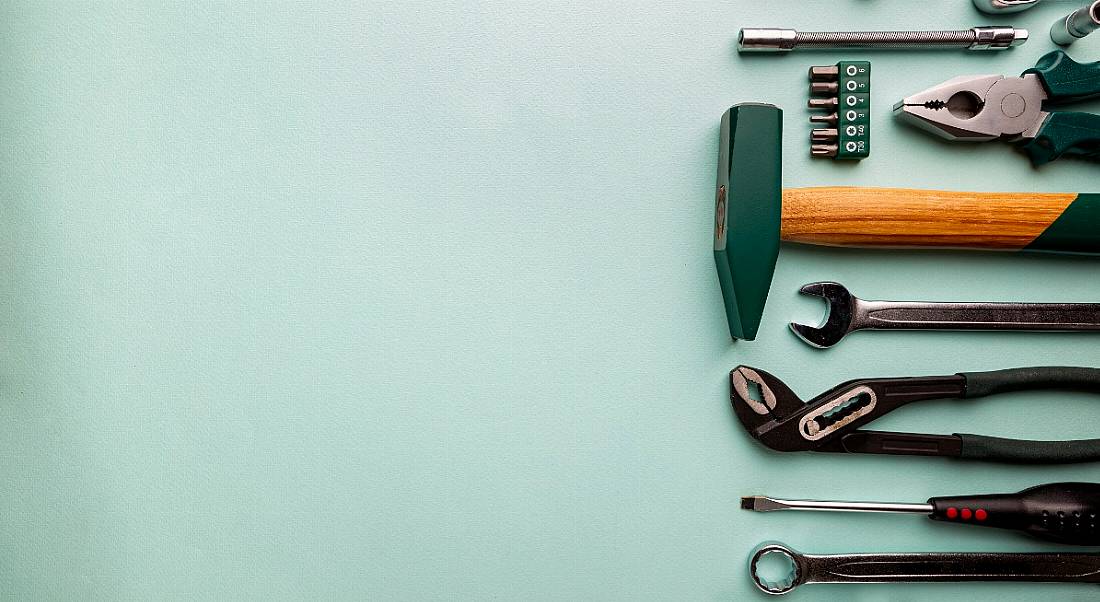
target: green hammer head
<point>747,211</point>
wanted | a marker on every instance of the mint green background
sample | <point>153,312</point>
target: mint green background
<point>416,301</point>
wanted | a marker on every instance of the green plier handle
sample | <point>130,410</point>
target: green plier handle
<point>1066,132</point>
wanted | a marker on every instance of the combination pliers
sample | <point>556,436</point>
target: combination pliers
<point>976,108</point>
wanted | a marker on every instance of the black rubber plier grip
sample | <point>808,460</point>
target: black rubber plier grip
<point>830,422</point>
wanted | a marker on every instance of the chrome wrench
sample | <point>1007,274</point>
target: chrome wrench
<point>846,312</point>
<point>1004,6</point>
<point>913,567</point>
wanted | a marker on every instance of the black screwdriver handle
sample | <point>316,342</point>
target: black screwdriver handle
<point>1059,512</point>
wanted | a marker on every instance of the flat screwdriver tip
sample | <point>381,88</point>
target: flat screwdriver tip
<point>763,503</point>
<point>760,503</point>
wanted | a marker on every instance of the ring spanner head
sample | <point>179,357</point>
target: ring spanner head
<point>839,314</point>
<point>1004,6</point>
<point>787,574</point>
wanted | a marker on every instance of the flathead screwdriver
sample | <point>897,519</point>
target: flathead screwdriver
<point>1061,512</point>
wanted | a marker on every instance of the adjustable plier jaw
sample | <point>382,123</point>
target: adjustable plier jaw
<point>776,417</point>
<point>830,422</point>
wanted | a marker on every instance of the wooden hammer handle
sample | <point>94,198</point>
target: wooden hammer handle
<point>900,217</point>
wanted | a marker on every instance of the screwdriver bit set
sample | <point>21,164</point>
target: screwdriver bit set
<point>844,90</point>
<point>754,213</point>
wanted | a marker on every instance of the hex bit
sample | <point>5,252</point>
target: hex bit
<point>826,88</point>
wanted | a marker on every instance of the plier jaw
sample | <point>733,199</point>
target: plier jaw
<point>762,402</point>
<point>977,108</point>
<point>988,107</point>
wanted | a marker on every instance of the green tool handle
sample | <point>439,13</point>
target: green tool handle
<point>1066,133</point>
<point>1065,79</point>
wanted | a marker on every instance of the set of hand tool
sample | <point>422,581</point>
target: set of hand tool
<point>754,213</point>
<point>843,90</point>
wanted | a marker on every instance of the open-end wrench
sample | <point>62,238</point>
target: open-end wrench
<point>913,567</point>
<point>846,312</point>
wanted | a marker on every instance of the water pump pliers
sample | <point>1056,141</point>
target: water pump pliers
<point>776,417</point>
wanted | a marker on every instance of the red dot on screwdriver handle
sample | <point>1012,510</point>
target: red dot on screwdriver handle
<point>966,513</point>
<point>981,514</point>
<point>952,512</point>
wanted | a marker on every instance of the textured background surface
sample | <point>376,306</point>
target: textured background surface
<point>416,301</point>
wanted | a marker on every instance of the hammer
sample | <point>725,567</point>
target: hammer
<point>753,213</point>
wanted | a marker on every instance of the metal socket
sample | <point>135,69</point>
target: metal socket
<point>767,39</point>
<point>1076,25</point>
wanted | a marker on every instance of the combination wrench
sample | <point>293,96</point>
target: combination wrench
<point>845,313</point>
<point>916,567</point>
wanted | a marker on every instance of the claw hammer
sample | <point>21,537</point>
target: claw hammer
<point>753,213</point>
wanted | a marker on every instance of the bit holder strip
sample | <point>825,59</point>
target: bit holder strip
<point>844,90</point>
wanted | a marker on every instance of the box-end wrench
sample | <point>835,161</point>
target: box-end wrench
<point>1004,6</point>
<point>915,567</point>
<point>845,312</point>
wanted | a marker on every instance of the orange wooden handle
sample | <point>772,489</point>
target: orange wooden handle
<point>902,217</point>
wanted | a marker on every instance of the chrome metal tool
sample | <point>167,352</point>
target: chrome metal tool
<point>797,569</point>
<point>1004,6</point>
<point>775,416</point>
<point>977,108</point>
<point>1076,25</point>
<point>846,313</point>
<point>772,39</point>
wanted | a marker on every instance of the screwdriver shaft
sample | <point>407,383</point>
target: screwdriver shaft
<point>760,503</point>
